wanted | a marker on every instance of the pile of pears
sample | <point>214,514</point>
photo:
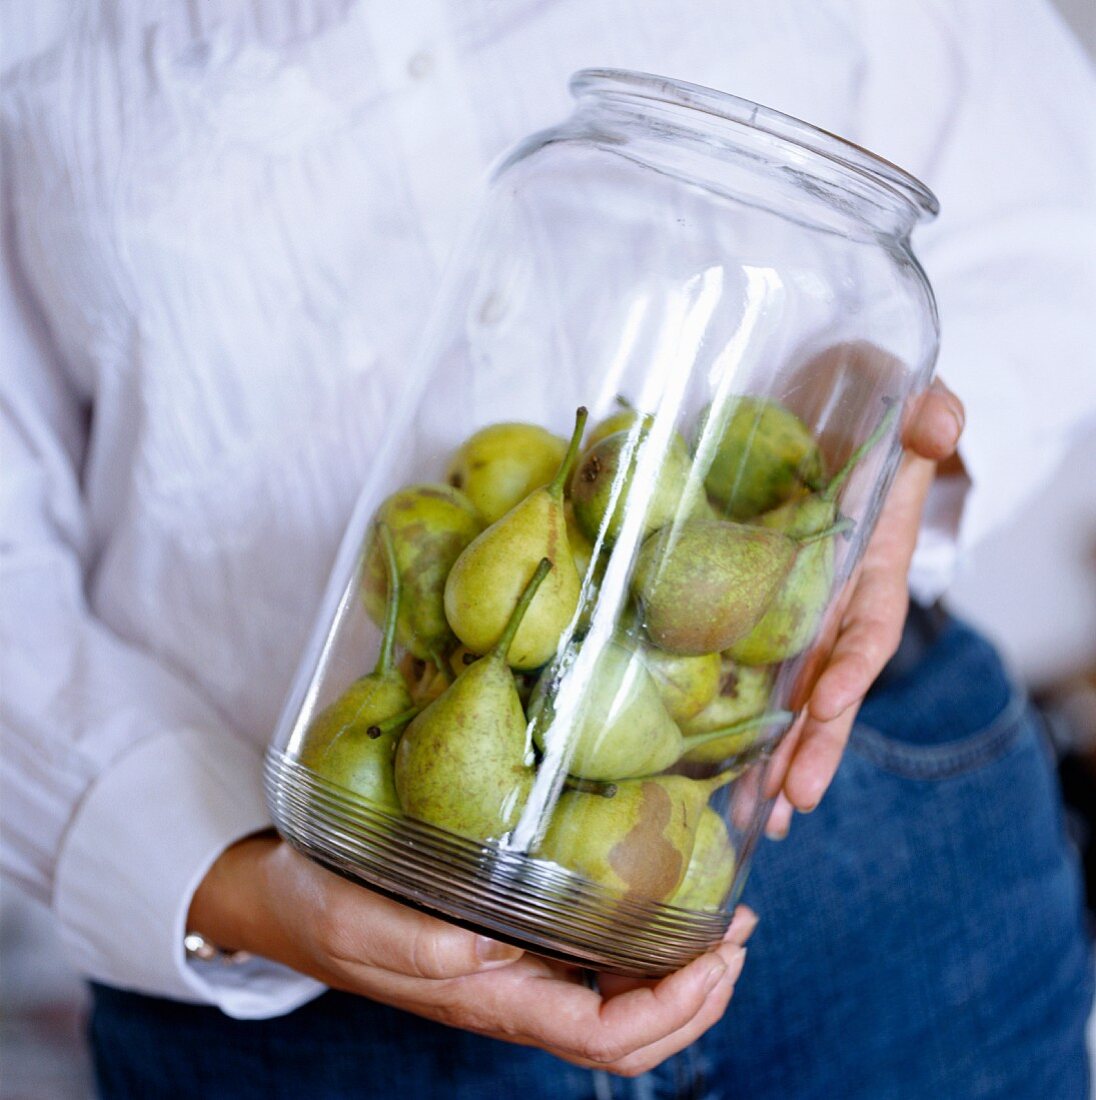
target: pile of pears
<point>484,584</point>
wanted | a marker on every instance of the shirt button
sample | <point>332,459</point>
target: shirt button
<point>420,66</point>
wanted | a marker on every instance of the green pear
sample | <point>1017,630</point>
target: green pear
<point>425,680</point>
<point>710,874</point>
<point>686,685</point>
<point>464,763</point>
<point>763,454</point>
<point>743,694</point>
<point>602,483</point>
<point>502,464</point>
<point>488,577</point>
<point>582,550</point>
<point>430,525</point>
<point>791,621</point>
<point>620,727</point>
<point>704,584</point>
<point>620,421</point>
<point>634,838</point>
<point>351,742</point>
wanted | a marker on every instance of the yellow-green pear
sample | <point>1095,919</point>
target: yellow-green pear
<point>502,464</point>
<point>430,525</point>
<point>791,621</point>
<point>685,684</point>
<point>743,694</point>
<point>488,577</point>
<point>710,874</point>
<point>620,421</point>
<point>619,727</point>
<point>465,762</point>
<point>424,679</point>
<point>351,742</point>
<point>634,837</point>
<point>582,550</point>
<point>602,486</point>
<point>763,454</point>
<point>704,584</point>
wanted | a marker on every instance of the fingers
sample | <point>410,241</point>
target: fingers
<point>816,762</point>
<point>643,1027</point>
<point>646,1058</point>
<point>360,928</point>
<point>733,952</point>
<point>936,424</point>
<point>780,818</point>
<point>876,612</point>
<point>871,630</point>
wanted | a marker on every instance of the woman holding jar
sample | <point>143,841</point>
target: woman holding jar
<point>223,227</point>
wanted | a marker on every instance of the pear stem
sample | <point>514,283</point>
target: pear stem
<point>378,729</point>
<point>502,646</point>
<point>842,475</point>
<point>555,488</point>
<point>600,787</point>
<point>442,665</point>
<point>842,525</point>
<point>392,604</point>
<point>721,779</point>
<point>758,721</point>
<point>624,403</point>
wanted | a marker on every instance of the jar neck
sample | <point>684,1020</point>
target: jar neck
<point>750,153</point>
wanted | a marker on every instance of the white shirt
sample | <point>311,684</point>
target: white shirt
<point>223,224</point>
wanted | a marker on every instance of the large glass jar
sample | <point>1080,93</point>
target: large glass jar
<point>544,694</point>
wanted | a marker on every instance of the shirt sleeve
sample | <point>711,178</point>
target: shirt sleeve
<point>120,785</point>
<point>1010,257</point>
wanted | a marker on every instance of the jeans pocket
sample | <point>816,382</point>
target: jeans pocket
<point>945,759</point>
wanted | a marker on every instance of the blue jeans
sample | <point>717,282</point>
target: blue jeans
<point>921,937</point>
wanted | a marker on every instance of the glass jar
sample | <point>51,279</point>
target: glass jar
<point>585,653</point>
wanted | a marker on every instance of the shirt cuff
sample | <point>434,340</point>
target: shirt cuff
<point>141,841</point>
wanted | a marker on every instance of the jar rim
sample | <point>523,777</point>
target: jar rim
<point>631,84</point>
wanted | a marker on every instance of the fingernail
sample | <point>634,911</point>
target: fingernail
<point>494,952</point>
<point>777,831</point>
<point>711,979</point>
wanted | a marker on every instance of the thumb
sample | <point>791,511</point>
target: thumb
<point>392,937</point>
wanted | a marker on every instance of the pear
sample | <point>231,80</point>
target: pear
<point>634,837</point>
<point>791,621</point>
<point>620,727</point>
<point>620,421</point>
<point>502,464</point>
<point>600,489</point>
<point>743,694</point>
<point>764,454</point>
<point>710,874</point>
<point>424,679</point>
<point>351,742</point>
<point>430,525</point>
<point>582,550</point>
<point>488,577</point>
<point>704,584</point>
<point>464,763</point>
<point>686,685</point>
<point>461,658</point>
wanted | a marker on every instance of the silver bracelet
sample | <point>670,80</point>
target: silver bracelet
<point>199,948</point>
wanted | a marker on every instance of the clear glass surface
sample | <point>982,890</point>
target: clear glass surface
<point>736,289</point>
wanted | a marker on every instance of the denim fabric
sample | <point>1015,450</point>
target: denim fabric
<point>921,937</point>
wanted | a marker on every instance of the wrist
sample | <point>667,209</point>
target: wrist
<point>228,906</point>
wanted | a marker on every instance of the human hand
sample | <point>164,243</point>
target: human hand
<point>262,896</point>
<point>869,623</point>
